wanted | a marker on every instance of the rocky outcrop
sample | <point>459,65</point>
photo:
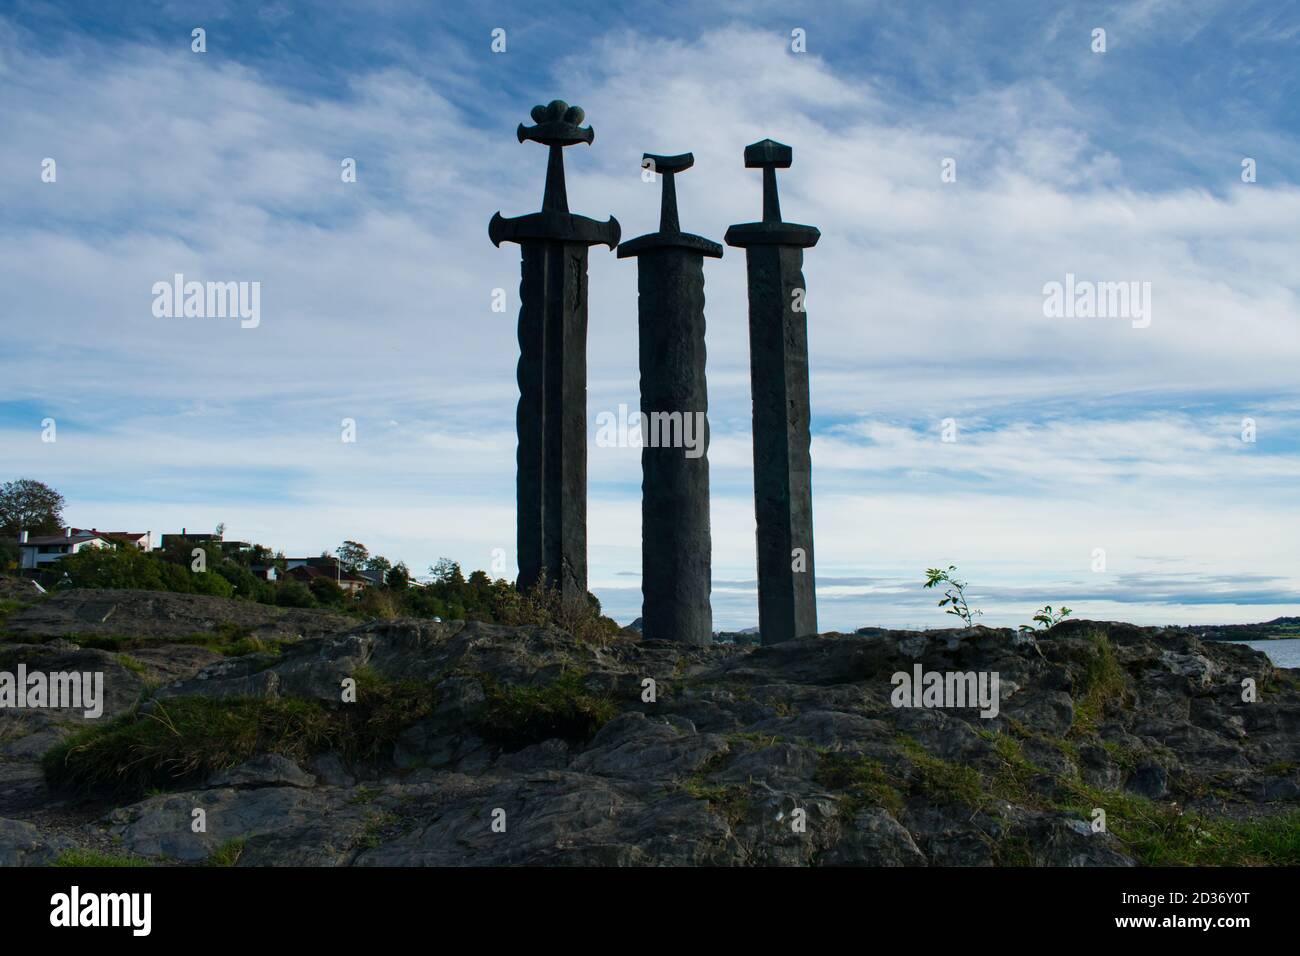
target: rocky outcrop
<point>792,754</point>
<point>95,612</point>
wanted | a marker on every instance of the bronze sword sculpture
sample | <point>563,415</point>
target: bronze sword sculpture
<point>551,420</point>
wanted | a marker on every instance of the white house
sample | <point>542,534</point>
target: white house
<point>40,551</point>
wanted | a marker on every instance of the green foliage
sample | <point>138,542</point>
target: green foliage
<point>228,639</point>
<point>93,858</point>
<point>29,505</point>
<point>450,596</point>
<point>130,663</point>
<point>327,593</point>
<point>352,555</point>
<point>294,594</point>
<point>128,567</point>
<point>381,603</point>
<point>244,583</point>
<point>447,571</point>
<point>399,576</point>
<point>227,854</point>
<point>9,554</point>
<point>734,801</point>
<point>184,739</point>
<point>1166,835</point>
<point>517,716</point>
<point>211,583</point>
<point>543,606</point>
<point>1100,681</point>
<point>867,782</point>
<point>954,596</point>
<point>115,568</point>
<point>940,780</point>
<point>8,607</point>
<point>1047,618</point>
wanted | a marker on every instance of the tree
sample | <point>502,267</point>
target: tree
<point>118,568</point>
<point>327,592</point>
<point>8,555</point>
<point>294,594</point>
<point>447,571</point>
<point>399,576</point>
<point>27,505</point>
<point>352,555</point>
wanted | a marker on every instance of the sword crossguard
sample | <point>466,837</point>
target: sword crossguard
<point>670,233</point>
<point>769,156</point>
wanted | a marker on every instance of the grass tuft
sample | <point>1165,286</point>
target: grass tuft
<point>185,739</point>
<point>93,858</point>
<point>516,716</point>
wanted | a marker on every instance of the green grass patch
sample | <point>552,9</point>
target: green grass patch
<point>516,716</point>
<point>227,854</point>
<point>130,663</point>
<point>93,858</point>
<point>941,781</point>
<point>185,739</point>
<point>865,781</point>
<point>1102,681</point>
<point>1164,835</point>
<point>7,608</point>
<point>227,640</point>
<point>379,827</point>
<point>182,740</point>
<point>1013,780</point>
<point>732,800</point>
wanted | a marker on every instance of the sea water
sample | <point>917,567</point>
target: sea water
<point>1283,653</point>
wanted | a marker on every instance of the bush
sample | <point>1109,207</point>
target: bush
<point>327,592</point>
<point>113,568</point>
<point>294,594</point>
<point>211,583</point>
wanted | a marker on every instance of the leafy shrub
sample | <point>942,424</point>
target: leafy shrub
<point>294,594</point>
<point>954,598</point>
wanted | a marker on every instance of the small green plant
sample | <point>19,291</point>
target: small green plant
<point>954,598</point>
<point>228,853</point>
<point>1047,618</point>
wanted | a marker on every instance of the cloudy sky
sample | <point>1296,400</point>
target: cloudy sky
<point>925,296</point>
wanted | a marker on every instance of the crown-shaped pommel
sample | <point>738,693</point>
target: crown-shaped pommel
<point>558,124</point>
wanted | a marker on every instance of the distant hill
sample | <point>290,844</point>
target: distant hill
<point>1277,629</point>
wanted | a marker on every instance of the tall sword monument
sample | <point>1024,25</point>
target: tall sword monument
<point>676,547</point>
<point>551,418</point>
<point>778,364</point>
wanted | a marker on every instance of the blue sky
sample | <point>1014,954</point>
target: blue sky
<point>925,297</point>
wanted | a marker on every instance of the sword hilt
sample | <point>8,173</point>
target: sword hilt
<point>769,156</point>
<point>669,166</point>
<point>558,125</point>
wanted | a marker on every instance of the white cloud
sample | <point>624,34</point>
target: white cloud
<point>925,301</point>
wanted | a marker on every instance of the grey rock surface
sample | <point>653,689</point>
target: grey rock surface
<point>789,754</point>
